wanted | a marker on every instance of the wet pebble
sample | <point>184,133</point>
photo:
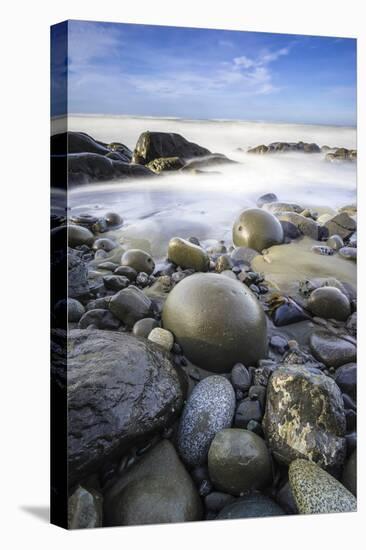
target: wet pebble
<point>322,250</point>
<point>254,505</point>
<point>331,350</point>
<point>126,271</point>
<point>247,410</point>
<point>104,244</point>
<point>348,253</point>
<point>240,377</point>
<point>330,303</point>
<point>335,242</point>
<point>115,282</point>
<point>143,327</point>
<point>79,235</point>
<point>100,319</point>
<point>279,344</point>
<point>266,198</point>
<point>138,260</point>
<point>162,337</point>
<point>142,279</point>
<point>187,255</point>
<point>346,379</point>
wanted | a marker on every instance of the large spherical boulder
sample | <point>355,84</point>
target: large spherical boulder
<point>217,321</point>
<point>258,229</point>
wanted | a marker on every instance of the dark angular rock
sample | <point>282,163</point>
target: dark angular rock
<point>121,390</point>
<point>155,145</point>
<point>247,410</point>
<point>130,305</point>
<point>99,318</point>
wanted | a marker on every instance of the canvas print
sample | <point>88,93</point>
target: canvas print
<point>203,264</point>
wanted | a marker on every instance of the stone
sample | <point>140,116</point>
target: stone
<point>238,461</point>
<point>346,379</point>
<point>254,505</point>
<point>331,350</point>
<point>264,199</point>
<point>114,220</point>
<point>322,250</point>
<point>77,276</point>
<point>126,271</point>
<point>305,417</point>
<point>290,230</point>
<point>166,164</point>
<point>348,253</point>
<point>306,226</point>
<point>104,244</point>
<point>247,410</point>
<point>341,224</point>
<point>285,499</point>
<point>349,475</point>
<point>335,242</point>
<point>241,378</point>
<point>209,409</point>
<point>187,255</point>
<point>130,305</point>
<point>102,319</point>
<point>115,282</point>
<point>85,509</point>
<point>138,260</point>
<point>316,491</point>
<point>69,309</point>
<point>217,322</point>
<point>258,229</point>
<point>279,207</point>
<point>155,145</point>
<point>79,235</point>
<point>223,263</point>
<point>157,489</point>
<point>243,254</point>
<point>215,501</point>
<point>329,303</point>
<point>109,266</point>
<point>279,344</point>
<point>162,338</point>
<point>143,327</point>
<point>120,390</point>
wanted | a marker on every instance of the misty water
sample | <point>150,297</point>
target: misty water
<point>205,206</point>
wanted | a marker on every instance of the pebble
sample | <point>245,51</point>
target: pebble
<point>138,260</point>
<point>335,242</point>
<point>113,220</point>
<point>215,501</point>
<point>290,230</point>
<point>317,492</point>
<point>329,303</point>
<point>346,379</point>
<point>238,461</point>
<point>209,409</point>
<point>348,253</point>
<point>266,198</point>
<point>279,343</point>
<point>243,254</point>
<point>322,250</point>
<point>85,509</point>
<point>251,506</point>
<point>99,318</point>
<point>257,229</point>
<point>79,235</point>
<point>341,224</point>
<point>130,305</point>
<point>110,266</point>
<point>142,279</point>
<point>104,244</point>
<point>331,350</point>
<point>126,271</point>
<point>223,263</point>
<point>115,282</point>
<point>162,337</point>
<point>240,377</point>
<point>247,410</point>
<point>187,255</point>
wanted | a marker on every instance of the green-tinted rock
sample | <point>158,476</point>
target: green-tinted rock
<point>138,260</point>
<point>78,235</point>
<point>305,417</point>
<point>317,492</point>
<point>251,506</point>
<point>238,460</point>
<point>157,489</point>
<point>349,477</point>
<point>187,255</point>
<point>330,303</point>
<point>85,509</point>
<point>258,229</point>
<point>217,321</point>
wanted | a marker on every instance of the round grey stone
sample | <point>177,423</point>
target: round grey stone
<point>143,327</point>
<point>257,229</point>
<point>331,350</point>
<point>330,303</point>
<point>138,260</point>
<point>251,506</point>
<point>78,235</point>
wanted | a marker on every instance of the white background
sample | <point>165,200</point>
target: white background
<point>24,185</point>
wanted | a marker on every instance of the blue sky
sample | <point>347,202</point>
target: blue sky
<point>201,73</point>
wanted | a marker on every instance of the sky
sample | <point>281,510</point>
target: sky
<point>145,70</point>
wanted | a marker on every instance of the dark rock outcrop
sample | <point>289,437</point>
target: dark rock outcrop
<point>121,390</point>
<point>155,145</point>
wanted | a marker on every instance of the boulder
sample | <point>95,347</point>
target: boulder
<point>217,321</point>
<point>79,235</point>
<point>258,229</point>
<point>305,417</point>
<point>167,164</point>
<point>317,492</point>
<point>306,226</point>
<point>187,255</point>
<point>155,145</point>
<point>238,461</point>
<point>120,391</point>
<point>209,409</point>
<point>84,168</point>
<point>157,489</point>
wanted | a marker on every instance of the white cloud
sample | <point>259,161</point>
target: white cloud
<point>244,62</point>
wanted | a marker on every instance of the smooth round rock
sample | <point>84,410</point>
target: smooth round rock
<point>162,338</point>
<point>331,350</point>
<point>69,309</point>
<point>209,409</point>
<point>113,220</point>
<point>251,506</point>
<point>349,476</point>
<point>130,305</point>
<point>187,255</point>
<point>126,271</point>
<point>329,303</point>
<point>143,327</point>
<point>335,242</point>
<point>241,378</point>
<point>258,229</point>
<point>348,253</point>
<point>266,198</point>
<point>78,235</point>
<point>317,492</point>
<point>104,244</point>
<point>138,260</point>
<point>238,460</point>
<point>346,379</point>
<point>217,321</point>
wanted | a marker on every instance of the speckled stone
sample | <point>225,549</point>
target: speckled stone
<point>305,417</point>
<point>115,282</point>
<point>317,492</point>
<point>209,409</point>
<point>331,350</point>
<point>162,337</point>
<point>322,250</point>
